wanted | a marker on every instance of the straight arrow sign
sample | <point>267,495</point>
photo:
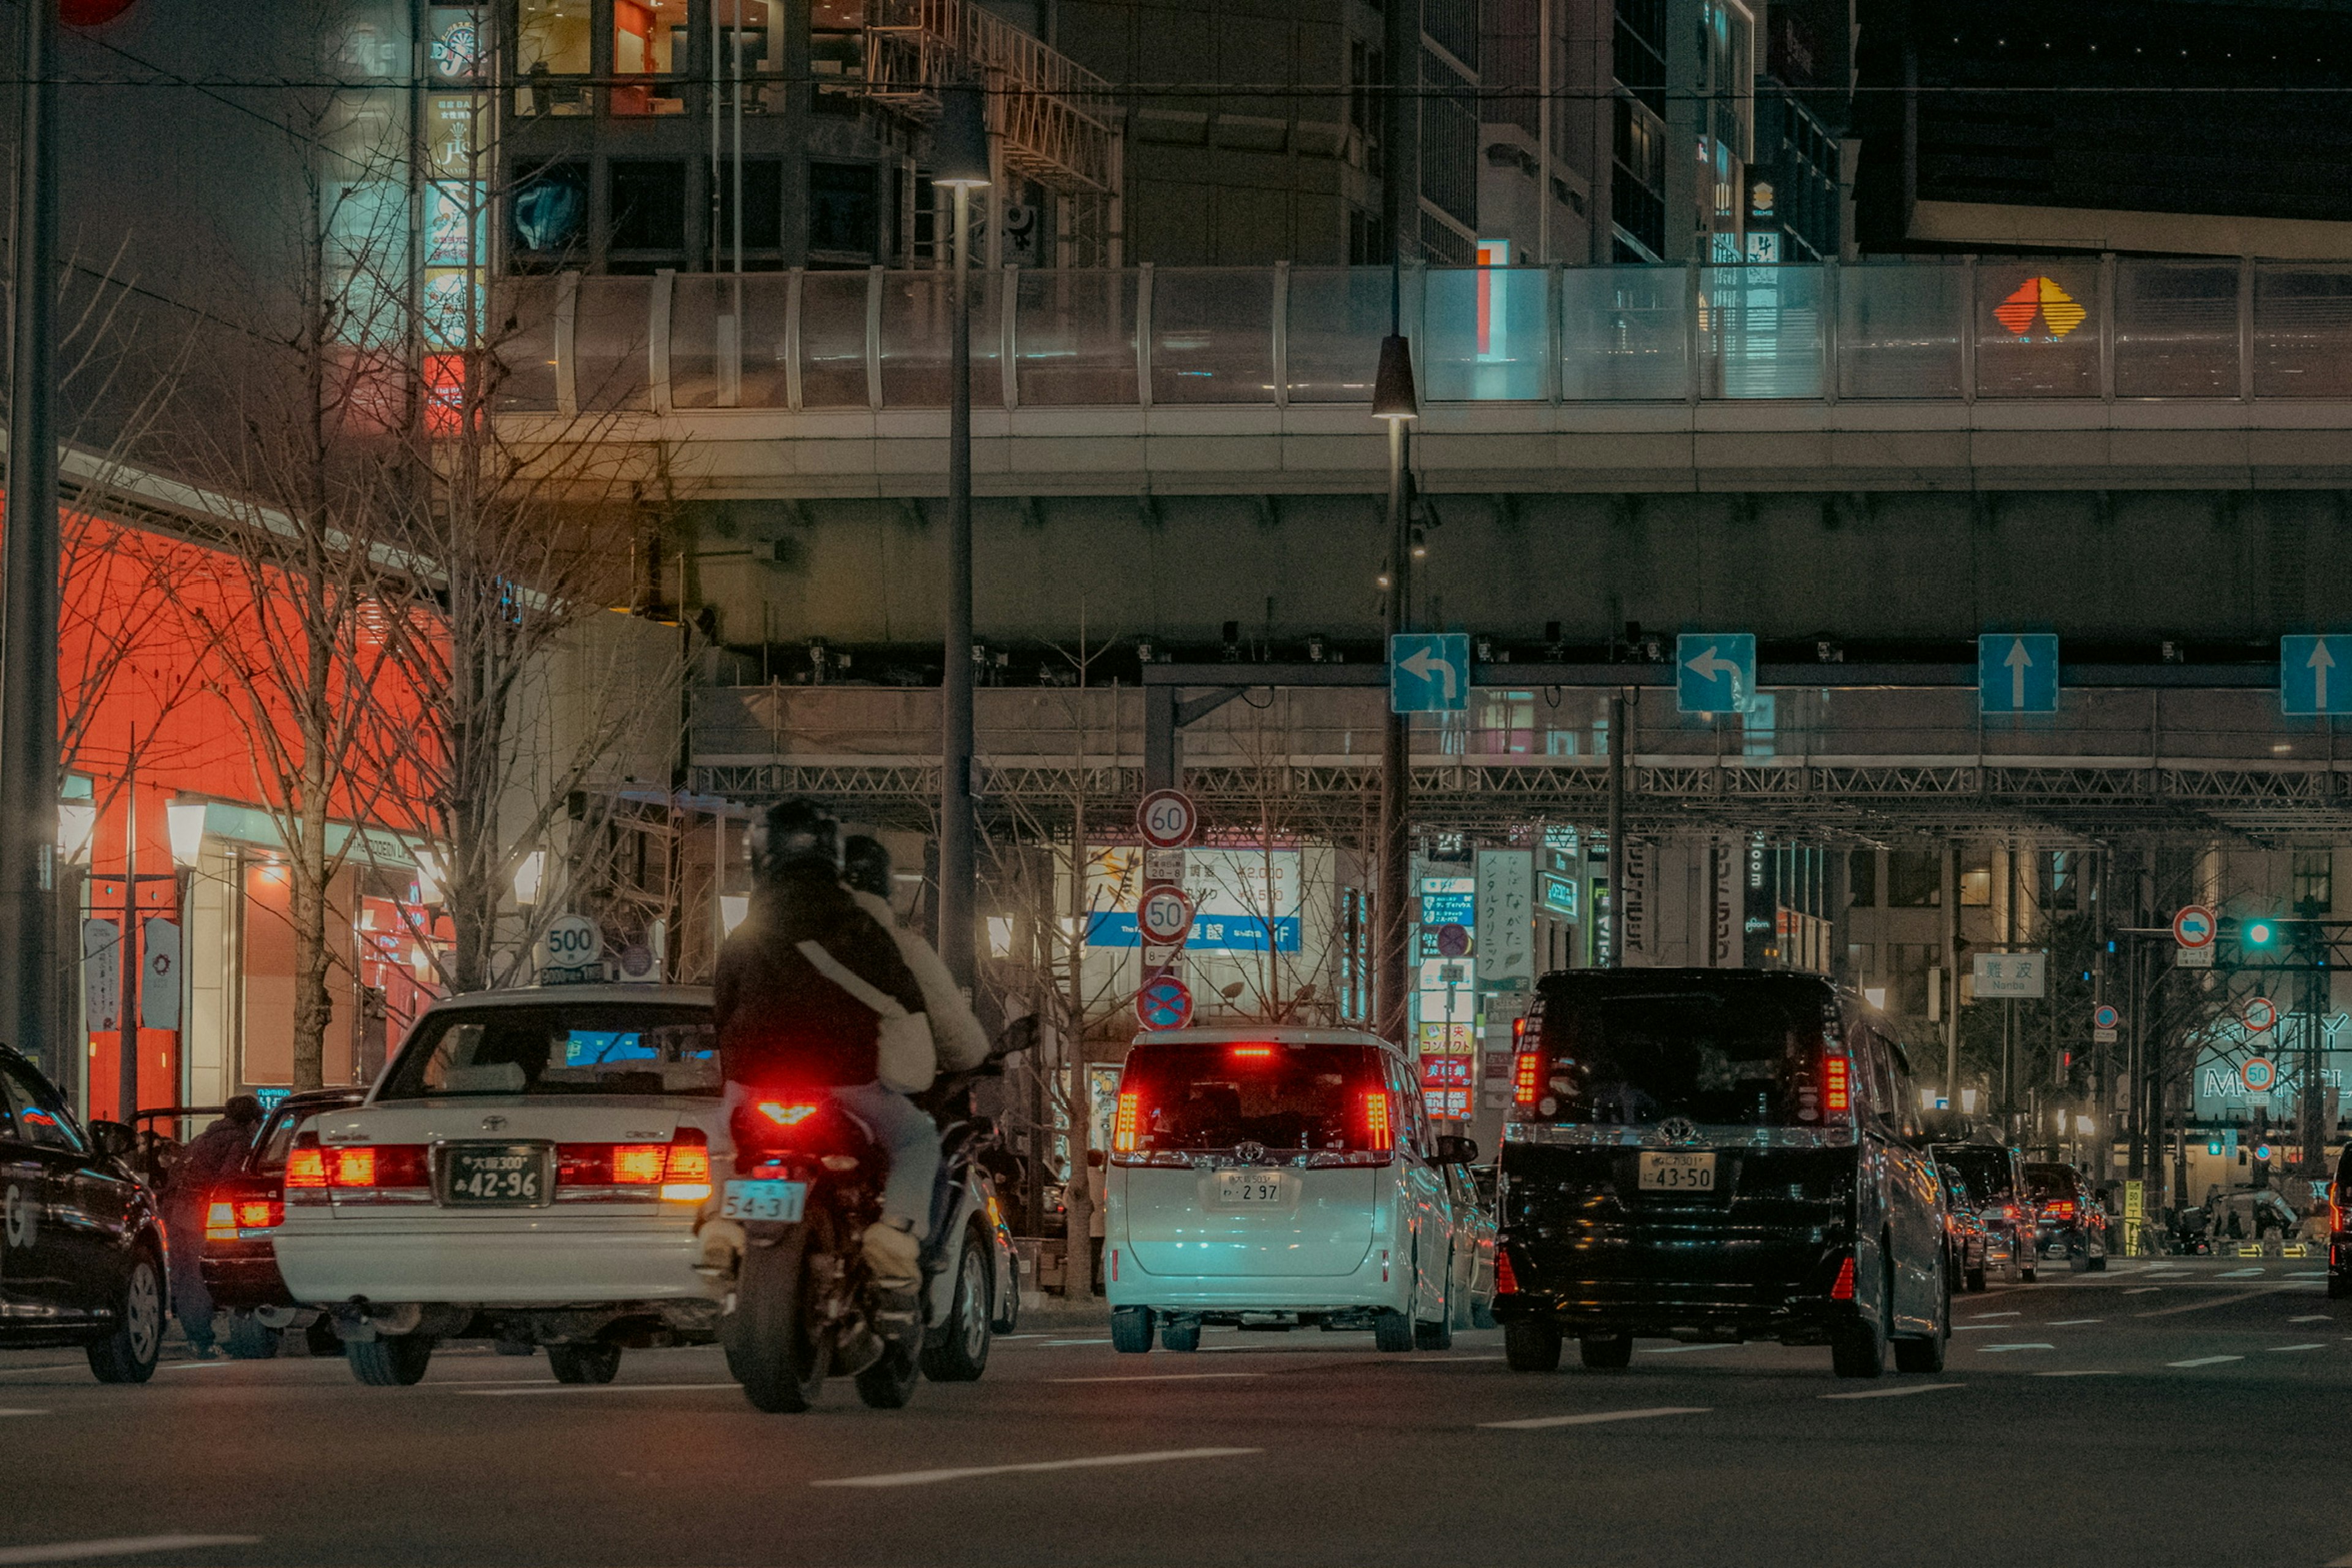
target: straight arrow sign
<point>2320,662</point>
<point>2019,662</point>
<point>2017,672</point>
<point>2307,683</point>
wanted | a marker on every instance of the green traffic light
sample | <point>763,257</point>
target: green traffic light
<point>2260,933</point>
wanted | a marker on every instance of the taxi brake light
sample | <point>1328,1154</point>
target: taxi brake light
<point>376,1165</point>
<point>1126,1125</point>
<point>1837,1085</point>
<point>354,1167</point>
<point>1377,1133</point>
<point>1527,1074</point>
<point>639,1165</point>
<point>686,1174</point>
<point>306,1168</point>
<point>1844,1290</point>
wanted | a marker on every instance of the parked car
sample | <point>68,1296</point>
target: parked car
<point>1964,1229</point>
<point>2070,1222</point>
<point>1283,1177</point>
<point>81,1247</point>
<point>2339,1230</point>
<point>1995,1175</point>
<point>242,1216</point>
<point>1715,1154</point>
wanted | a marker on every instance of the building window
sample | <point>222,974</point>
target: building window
<point>837,41</point>
<point>648,205</point>
<point>1862,880</point>
<point>843,215</point>
<point>2061,875</point>
<point>551,41</point>
<point>1506,723</point>
<point>1915,879</point>
<point>2312,873</point>
<point>547,218</point>
<point>1909,964</point>
<point>1975,879</point>
<point>763,208</point>
<point>648,41</point>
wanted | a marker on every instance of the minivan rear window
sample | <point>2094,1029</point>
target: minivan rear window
<point>1196,1097</point>
<point>1749,1055</point>
<point>2051,1182</point>
<point>1985,1169</point>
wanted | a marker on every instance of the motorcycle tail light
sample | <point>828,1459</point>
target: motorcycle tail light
<point>784,1113</point>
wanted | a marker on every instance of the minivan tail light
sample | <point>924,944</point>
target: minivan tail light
<point>1527,1078</point>
<point>1252,1052</point>
<point>1378,1135</point>
<point>1127,1123</point>
<point>2060,1208</point>
<point>1844,1290</point>
<point>1837,1085</point>
<point>1505,1282</point>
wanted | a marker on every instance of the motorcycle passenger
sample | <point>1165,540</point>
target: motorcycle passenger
<point>783,1024</point>
<point>956,1033</point>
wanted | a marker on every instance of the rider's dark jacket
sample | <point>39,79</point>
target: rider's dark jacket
<point>780,1022</point>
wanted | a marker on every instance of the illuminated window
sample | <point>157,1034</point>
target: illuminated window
<point>1000,936</point>
<point>2314,875</point>
<point>551,41</point>
<point>648,40</point>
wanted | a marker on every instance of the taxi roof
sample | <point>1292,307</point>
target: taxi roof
<point>1272,1034</point>
<point>588,992</point>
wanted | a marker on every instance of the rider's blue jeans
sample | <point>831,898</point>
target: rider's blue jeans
<point>906,1131</point>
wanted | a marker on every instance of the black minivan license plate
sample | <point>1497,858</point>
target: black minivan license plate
<point>1678,1172</point>
<point>496,1174</point>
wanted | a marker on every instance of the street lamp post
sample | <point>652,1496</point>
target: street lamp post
<point>960,154</point>
<point>1395,400</point>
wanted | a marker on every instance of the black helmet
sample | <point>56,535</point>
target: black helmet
<point>865,864</point>
<point>794,833</point>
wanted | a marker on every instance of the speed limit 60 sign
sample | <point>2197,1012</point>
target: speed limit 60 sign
<point>1167,819</point>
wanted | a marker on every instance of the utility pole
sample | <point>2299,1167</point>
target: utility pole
<point>28,562</point>
<point>1616,829</point>
<point>126,1092</point>
<point>1396,400</point>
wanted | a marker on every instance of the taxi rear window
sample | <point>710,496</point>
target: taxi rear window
<point>558,1048</point>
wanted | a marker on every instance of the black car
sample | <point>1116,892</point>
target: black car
<point>1716,1154</point>
<point>1995,1174</point>
<point>242,1213</point>
<point>2071,1223</point>
<point>2339,1231</point>
<point>81,1253</point>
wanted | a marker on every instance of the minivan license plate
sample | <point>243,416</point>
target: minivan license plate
<point>764,1200</point>
<point>1248,1187</point>
<point>1678,1172</point>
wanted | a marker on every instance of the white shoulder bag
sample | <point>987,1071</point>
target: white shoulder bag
<point>907,1060</point>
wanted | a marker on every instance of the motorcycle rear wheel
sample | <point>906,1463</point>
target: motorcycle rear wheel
<point>772,1343</point>
<point>890,1382</point>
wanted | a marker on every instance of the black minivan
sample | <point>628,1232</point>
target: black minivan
<point>1716,1154</point>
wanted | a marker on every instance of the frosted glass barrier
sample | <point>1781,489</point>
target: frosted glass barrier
<point>611,326</point>
<point>1899,329</point>
<point>2037,326</point>
<point>833,340</point>
<point>2176,329</point>
<point>766,337</point>
<point>523,342</point>
<point>917,340</point>
<point>1761,331</point>
<point>1484,334</point>
<point>696,300</point>
<point>1213,335</point>
<point>1074,338</point>
<point>2302,330</point>
<point>1624,334</point>
<point>1337,316</point>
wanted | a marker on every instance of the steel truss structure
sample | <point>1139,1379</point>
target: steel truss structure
<point>2169,803</point>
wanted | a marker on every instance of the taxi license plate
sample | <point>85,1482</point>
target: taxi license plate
<point>1678,1172</point>
<point>764,1200</point>
<point>1249,1187</point>
<point>503,1175</point>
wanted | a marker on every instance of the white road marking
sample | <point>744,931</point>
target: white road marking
<point>23,1412</point>
<point>2143,1290</point>
<point>2075,1322</point>
<point>1980,1327</point>
<point>119,1546</point>
<point>2078,1374</point>
<point>1996,1314</point>
<point>2310,1318</point>
<point>1159,1377</point>
<point>1051,1343</point>
<point>50,1366</point>
<point>1996,1349</point>
<point>2282,1350</point>
<point>2309,1274</point>
<point>194,1366</point>
<point>2238,1274</point>
<point>929,1478</point>
<point>1895,1393</point>
<point>1594,1419</point>
<point>2205,1361</point>
<point>1677,1350</point>
<point>2214,1301</point>
<point>590,1388</point>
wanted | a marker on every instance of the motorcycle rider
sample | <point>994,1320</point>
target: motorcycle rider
<point>783,1023</point>
<point>956,1032</point>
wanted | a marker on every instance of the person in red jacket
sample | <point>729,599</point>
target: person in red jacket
<point>785,1023</point>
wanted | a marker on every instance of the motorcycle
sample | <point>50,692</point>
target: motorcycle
<point>807,1182</point>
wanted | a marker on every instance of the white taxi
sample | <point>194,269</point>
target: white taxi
<point>528,1169</point>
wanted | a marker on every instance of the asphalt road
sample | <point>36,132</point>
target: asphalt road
<point>2188,1414</point>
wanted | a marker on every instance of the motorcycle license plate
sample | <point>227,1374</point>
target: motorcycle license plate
<point>1248,1187</point>
<point>764,1200</point>
<point>1678,1172</point>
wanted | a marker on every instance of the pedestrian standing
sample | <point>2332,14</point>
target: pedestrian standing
<point>184,1202</point>
<point>1097,1195</point>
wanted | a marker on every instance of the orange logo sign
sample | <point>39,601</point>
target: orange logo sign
<point>2039,297</point>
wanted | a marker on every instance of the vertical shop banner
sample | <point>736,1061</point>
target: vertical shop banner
<point>158,976</point>
<point>1506,913</point>
<point>1724,915</point>
<point>102,976</point>
<point>1633,901</point>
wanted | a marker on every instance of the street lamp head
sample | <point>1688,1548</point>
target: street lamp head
<point>960,141</point>
<point>77,821</point>
<point>187,818</point>
<point>1393,396</point>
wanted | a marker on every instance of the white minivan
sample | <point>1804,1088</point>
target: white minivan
<point>1282,1177</point>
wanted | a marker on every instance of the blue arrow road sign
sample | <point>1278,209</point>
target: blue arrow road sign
<point>1715,672</point>
<point>1429,672</point>
<point>2316,675</point>
<point>2017,672</point>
